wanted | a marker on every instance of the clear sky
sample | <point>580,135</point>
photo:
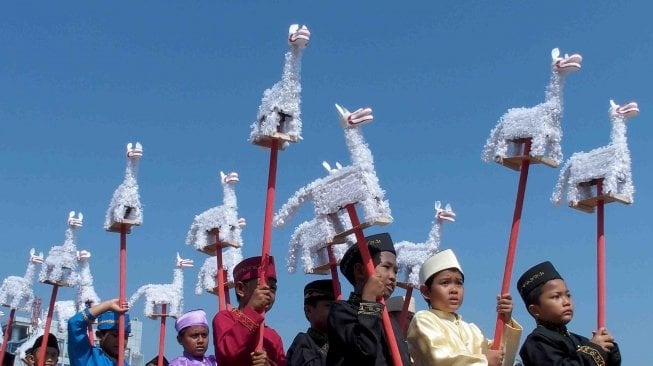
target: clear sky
<point>79,81</point>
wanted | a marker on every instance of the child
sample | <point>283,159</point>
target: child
<point>355,326</point>
<point>440,336</point>
<point>236,331</point>
<point>548,300</point>
<point>310,348</point>
<point>51,351</point>
<point>193,334</point>
<point>395,306</point>
<point>80,350</point>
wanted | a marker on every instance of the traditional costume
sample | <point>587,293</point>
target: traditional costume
<point>80,350</point>
<point>310,348</point>
<point>355,327</point>
<point>236,331</point>
<point>554,345</point>
<point>443,338</point>
<point>189,319</point>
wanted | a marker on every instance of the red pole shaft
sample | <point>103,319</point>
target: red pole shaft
<point>512,242</point>
<point>162,333</point>
<point>121,294</point>
<point>334,273</point>
<point>600,254</point>
<point>369,265</point>
<point>91,339</point>
<point>403,323</point>
<point>220,281</point>
<point>267,225</point>
<point>226,291</point>
<point>48,324</point>
<point>3,348</point>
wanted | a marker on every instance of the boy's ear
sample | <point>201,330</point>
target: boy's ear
<point>426,291</point>
<point>179,338</point>
<point>534,310</point>
<point>240,288</point>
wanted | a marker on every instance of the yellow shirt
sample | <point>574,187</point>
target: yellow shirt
<point>438,337</point>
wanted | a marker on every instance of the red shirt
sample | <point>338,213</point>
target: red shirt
<point>235,337</point>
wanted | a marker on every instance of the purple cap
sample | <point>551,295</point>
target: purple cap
<point>193,317</point>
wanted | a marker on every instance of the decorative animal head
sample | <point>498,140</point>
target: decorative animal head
<point>183,263</point>
<point>242,222</point>
<point>566,64</point>
<point>134,151</point>
<point>231,178</point>
<point>444,214</point>
<point>328,168</point>
<point>83,255</point>
<point>298,36</point>
<point>359,117</point>
<point>75,222</point>
<point>625,111</point>
<point>34,258</point>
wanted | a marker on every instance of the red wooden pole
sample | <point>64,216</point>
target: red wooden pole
<point>369,265</point>
<point>600,254</point>
<point>8,328</point>
<point>48,324</point>
<point>220,282</point>
<point>121,294</point>
<point>512,242</point>
<point>334,273</point>
<point>226,290</point>
<point>162,333</point>
<point>403,323</point>
<point>267,225</point>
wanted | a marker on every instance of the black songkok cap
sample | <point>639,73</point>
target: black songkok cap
<point>376,243</point>
<point>155,361</point>
<point>535,276</point>
<point>318,290</point>
<point>52,342</point>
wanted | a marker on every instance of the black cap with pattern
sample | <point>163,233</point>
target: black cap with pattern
<point>376,243</point>
<point>318,290</point>
<point>535,276</point>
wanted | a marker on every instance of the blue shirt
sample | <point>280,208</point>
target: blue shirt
<point>80,350</point>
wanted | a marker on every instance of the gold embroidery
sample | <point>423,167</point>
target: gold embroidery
<point>367,308</point>
<point>533,278</point>
<point>243,319</point>
<point>596,356</point>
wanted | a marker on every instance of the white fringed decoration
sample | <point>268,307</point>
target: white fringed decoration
<point>171,294</point>
<point>610,162</point>
<point>411,256</point>
<point>64,310</point>
<point>541,123</point>
<point>17,292</point>
<point>86,295</point>
<point>283,99</point>
<point>208,272</point>
<point>126,202</point>
<point>223,217</point>
<point>60,264</point>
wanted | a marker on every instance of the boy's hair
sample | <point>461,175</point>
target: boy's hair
<point>533,297</point>
<point>376,243</point>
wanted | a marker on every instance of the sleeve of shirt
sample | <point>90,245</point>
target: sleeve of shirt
<point>510,341</point>
<point>273,341</point>
<point>356,331</point>
<point>429,344</point>
<point>80,349</point>
<point>235,332</point>
<point>539,350</point>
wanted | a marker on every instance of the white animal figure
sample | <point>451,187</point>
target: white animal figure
<point>610,163</point>
<point>356,183</point>
<point>411,256</point>
<point>223,217</point>
<point>125,203</point>
<point>279,111</point>
<point>61,262</point>
<point>171,294</point>
<point>17,292</point>
<point>206,278</point>
<point>540,123</point>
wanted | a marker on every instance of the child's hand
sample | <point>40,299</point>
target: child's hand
<point>374,289</point>
<point>259,358</point>
<point>115,305</point>
<point>494,357</point>
<point>603,338</point>
<point>504,306</point>
<point>261,298</point>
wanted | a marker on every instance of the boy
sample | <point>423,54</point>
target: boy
<point>548,300</point>
<point>51,351</point>
<point>80,350</point>
<point>439,336</point>
<point>310,348</point>
<point>395,306</point>
<point>236,332</point>
<point>193,334</point>
<point>355,326</point>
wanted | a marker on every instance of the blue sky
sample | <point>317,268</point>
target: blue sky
<point>79,81</point>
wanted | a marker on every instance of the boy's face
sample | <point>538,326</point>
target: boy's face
<point>318,314</point>
<point>387,269</point>
<point>556,306</point>
<point>51,356</point>
<point>195,340</point>
<point>246,289</point>
<point>446,292</point>
<point>109,341</point>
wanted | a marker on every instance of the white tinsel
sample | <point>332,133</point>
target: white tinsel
<point>611,163</point>
<point>64,310</point>
<point>206,277</point>
<point>411,256</point>
<point>29,343</point>
<point>541,123</point>
<point>17,292</point>
<point>171,294</point>
<point>282,98</point>
<point>223,217</point>
<point>60,264</point>
<point>126,201</point>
